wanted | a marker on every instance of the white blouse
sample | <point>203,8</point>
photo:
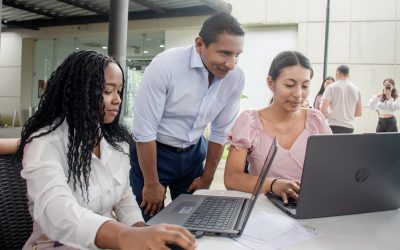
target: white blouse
<point>62,213</point>
<point>385,107</point>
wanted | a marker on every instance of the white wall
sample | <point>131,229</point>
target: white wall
<point>261,45</point>
<point>180,37</point>
<point>10,74</point>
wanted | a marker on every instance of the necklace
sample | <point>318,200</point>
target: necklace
<point>282,136</point>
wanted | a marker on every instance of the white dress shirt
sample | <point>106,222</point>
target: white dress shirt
<point>175,102</point>
<point>62,213</point>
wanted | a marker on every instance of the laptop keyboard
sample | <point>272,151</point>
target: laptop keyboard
<point>291,203</point>
<point>213,213</point>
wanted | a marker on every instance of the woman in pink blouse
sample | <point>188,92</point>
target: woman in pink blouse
<point>252,134</point>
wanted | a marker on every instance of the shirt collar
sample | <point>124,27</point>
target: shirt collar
<point>105,148</point>
<point>197,62</point>
<point>195,59</point>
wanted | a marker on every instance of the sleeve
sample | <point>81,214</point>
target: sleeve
<point>391,104</point>
<point>243,132</point>
<point>55,208</point>
<point>373,102</point>
<point>318,123</point>
<point>225,119</point>
<point>127,210</point>
<point>327,93</point>
<point>150,101</point>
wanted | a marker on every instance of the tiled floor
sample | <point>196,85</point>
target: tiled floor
<point>217,184</point>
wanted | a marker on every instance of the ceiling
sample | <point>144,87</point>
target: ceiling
<point>34,14</point>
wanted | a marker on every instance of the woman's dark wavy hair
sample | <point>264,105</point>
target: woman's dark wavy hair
<point>74,94</point>
<point>394,91</point>
<point>322,89</point>
<point>287,59</point>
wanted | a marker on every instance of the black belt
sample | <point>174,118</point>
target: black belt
<point>175,149</point>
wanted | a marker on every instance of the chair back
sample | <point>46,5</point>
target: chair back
<point>15,220</point>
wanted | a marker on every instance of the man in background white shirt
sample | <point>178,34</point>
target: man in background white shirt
<point>341,102</point>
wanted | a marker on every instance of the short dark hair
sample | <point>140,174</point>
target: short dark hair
<point>344,70</point>
<point>287,59</point>
<point>219,23</point>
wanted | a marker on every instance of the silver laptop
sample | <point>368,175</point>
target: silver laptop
<point>214,215</point>
<point>347,174</point>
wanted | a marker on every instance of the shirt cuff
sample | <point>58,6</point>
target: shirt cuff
<point>88,228</point>
<point>142,138</point>
<point>131,218</point>
<point>217,139</point>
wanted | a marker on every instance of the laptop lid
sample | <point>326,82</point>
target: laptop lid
<point>349,174</point>
<point>180,209</point>
<point>260,181</point>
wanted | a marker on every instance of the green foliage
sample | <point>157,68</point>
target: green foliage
<point>225,154</point>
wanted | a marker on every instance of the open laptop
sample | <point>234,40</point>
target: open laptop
<point>228,218</point>
<point>347,174</point>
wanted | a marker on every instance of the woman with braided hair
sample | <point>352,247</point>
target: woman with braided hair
<point>76,163</point>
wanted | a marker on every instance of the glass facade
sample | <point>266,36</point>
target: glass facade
<point>141,48</point>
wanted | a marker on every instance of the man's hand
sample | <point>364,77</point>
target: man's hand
<point>153,196</point>
<point>199,183</point>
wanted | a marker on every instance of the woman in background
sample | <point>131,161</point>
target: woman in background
<point>252,134</point>
<point>327,81</point>
<point>386,103</point>
<point>75,158</point>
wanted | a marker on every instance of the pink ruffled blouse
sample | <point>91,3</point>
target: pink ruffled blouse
<point>248,133</point>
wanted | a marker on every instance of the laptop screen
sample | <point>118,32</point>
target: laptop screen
<point>262,176</point>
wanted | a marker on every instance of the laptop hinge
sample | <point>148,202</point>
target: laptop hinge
<point>242,218</point>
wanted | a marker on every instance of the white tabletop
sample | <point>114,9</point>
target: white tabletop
<point>380,230</point>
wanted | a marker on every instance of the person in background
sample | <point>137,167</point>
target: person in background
<point>75,158</point>
<point>327,81</point>
<point>289,79</point>
<point>341,102</point>
<point>386,103</point>
<point>182,91</point>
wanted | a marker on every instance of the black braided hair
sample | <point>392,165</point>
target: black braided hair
<point>75,93</point>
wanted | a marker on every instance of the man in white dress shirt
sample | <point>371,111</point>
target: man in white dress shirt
<point>182,91</point>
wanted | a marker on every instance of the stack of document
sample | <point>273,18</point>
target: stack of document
<point>273,231</point>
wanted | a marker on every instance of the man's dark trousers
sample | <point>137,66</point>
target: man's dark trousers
<point>176,168</point>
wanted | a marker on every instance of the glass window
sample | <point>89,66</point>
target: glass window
<point>141,49</point>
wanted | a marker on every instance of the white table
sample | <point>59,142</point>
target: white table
<point>380,230</point>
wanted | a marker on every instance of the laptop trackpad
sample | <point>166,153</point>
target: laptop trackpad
<point>176,212</point>
<point>185,207</point>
